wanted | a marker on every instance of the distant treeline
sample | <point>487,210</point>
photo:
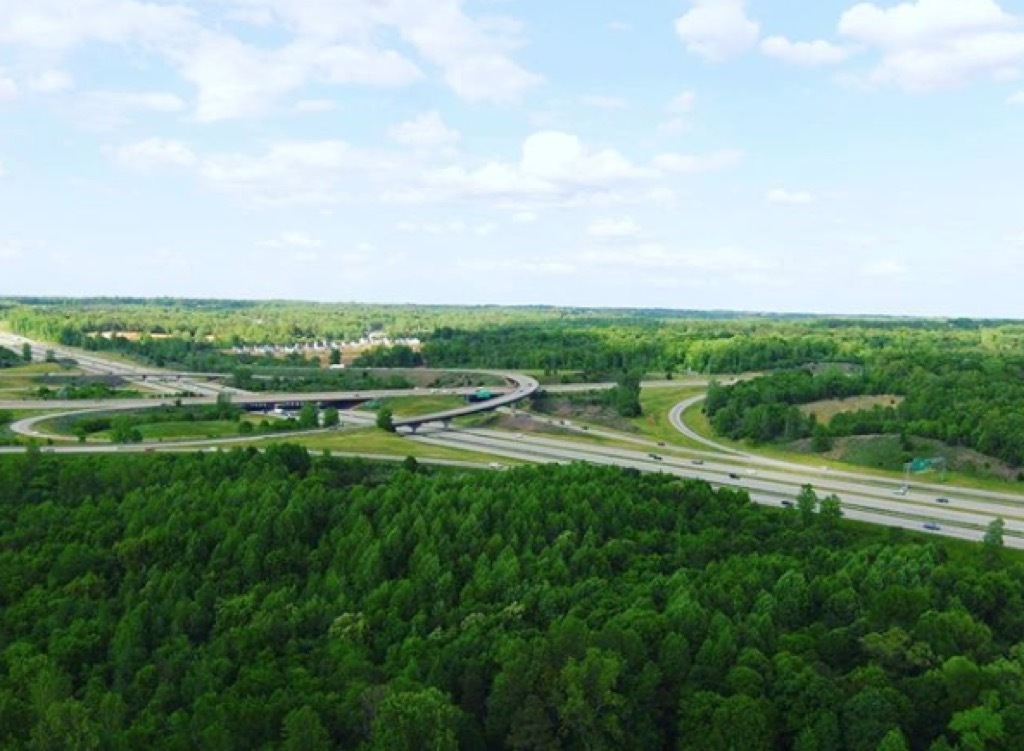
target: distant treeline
<point>598,342</point>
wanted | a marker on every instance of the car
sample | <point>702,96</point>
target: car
<point>661,443</point>
<point>655,457</point>
<point>787,504</point>
<point>698,462</point>
<point>942,500</point>
<point>932,526</point>
<point>901,490</point>
<point>733,476</point>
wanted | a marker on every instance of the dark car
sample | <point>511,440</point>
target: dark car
<point>734,476</point>
<point>655,457</point>
<point>787,504</point>
<point>932,526</point>
<point>698,462</point>
<point>942,500</point>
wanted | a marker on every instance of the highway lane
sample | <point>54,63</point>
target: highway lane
<point>859,502</point>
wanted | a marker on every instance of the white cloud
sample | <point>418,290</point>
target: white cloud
<point>683,103</point>
<point>294,240</point>
<point>56,26</point>
<point>324,42</point>
<point>619,26</point>
<point>455,227</point>
<point>929,45</point>
<point>602,102</point>
<point>890,269</point>
<point>525,217</point>
<point>3,170</point>
<point>8,89</point>
<point>427,131</point>
<point>818,52</point>
<point>9,250</point>
<point>316,105</point>
<point>717,29</point>
<point>658,257</point>
<point>302,172</point>
<point>553,167</point>
<point>51,82</point>
<point>790,197</point>
<point>679,107</point>
<point>153,154</point>
<point>238,80</point>
<point>1017,98</point>
<point>614,228</point>
<point>473,54</point>
<point>692,163</point>
<point>107,110</point>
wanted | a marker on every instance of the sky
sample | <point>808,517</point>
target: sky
<point>766,155</point>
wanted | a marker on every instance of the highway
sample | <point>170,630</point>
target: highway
<point>966,516</point>
<point>965,513</point>
<point>143,377</point>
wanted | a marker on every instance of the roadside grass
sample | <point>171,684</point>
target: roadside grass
<point>375,441</point>
<point>181,430</point>
<point>411,406</point>
<point>654,422</point>
<point>23,378</point>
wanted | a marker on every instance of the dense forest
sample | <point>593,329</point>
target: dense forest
<point>276,601</point>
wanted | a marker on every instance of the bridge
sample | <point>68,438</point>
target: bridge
<point>524,386</point>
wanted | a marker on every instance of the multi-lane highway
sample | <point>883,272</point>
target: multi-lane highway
<point>962,512</point>
<point>864,498</point>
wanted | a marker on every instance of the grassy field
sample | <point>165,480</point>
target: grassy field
<point>166,431</point>
<point>654,422</point>
<point>374,441</point>
<point>14,381</point>
<point>829,408</point>
<point>411,406</point>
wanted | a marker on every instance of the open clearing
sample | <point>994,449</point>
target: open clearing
<point>827,409</point>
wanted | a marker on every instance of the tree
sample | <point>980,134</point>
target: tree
<point>415,720</point>
<point>821,440</point>
<point>894,740</point>
<point>225,409</point>
<point>303,731</point>
<point>386,419</point>
<point>625,397</point>
<point>309,416</point>
<point>830,511</point>
<point>993,540</point>
<point>978,729</point>
<point>331,418</point>
<point>335,356</point>
<point>123,430</point>
<point>26,352</point>
<point>807,503</point>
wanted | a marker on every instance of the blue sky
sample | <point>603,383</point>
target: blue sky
<point>714,154</point>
